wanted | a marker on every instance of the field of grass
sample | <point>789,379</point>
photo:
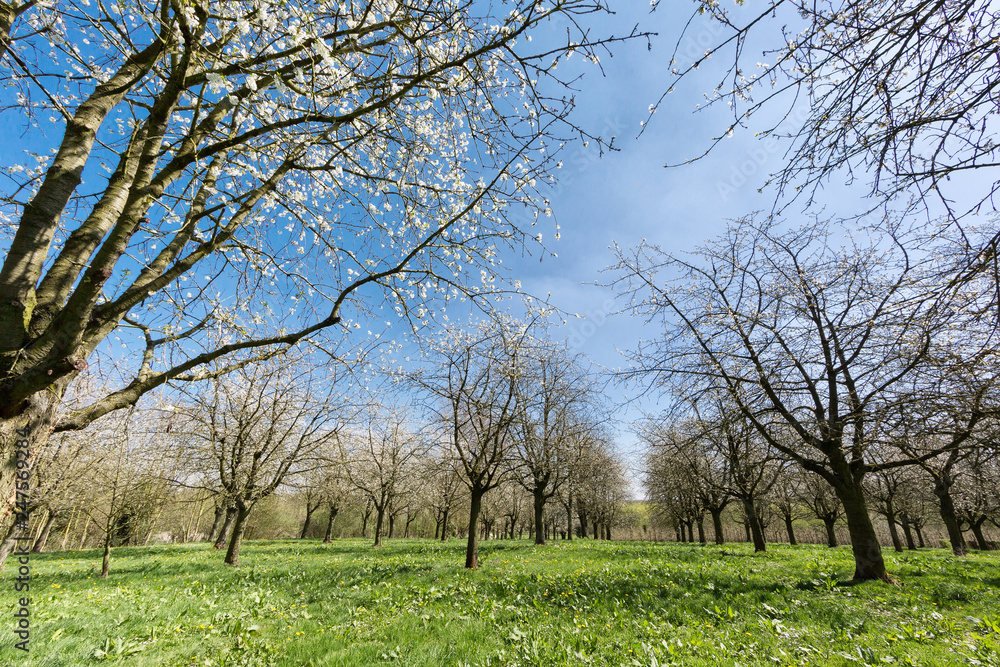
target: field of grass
<point>411,603</point>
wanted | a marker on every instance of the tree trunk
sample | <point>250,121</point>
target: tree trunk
<point>717,525</point>
<point>700,520</point>
<point>831,534</point>
<point>305,524</point>
<point>472,548</point>
<point>239,527</point>
<point>868,561</point>
<point>569,516</point>
<point>392,525</point>
<point>977,531</point>
<point>364,523</point>
<point>756,532</point>
<point>582,516</point>
<point>790,530</point>
<point>379,519</point>
<point>890,518</point>
<point>607,531</point>
<point>220,512</point>
<point>444,527</point>
<point>942,489</point>
<point>746,529</point>
<point>106,561</point>
<point>907,533</point>
<point>220,541</point>
<point>329,525</point>
<point>920,535</point>
<point>539,506</point>
<point>44,536</point>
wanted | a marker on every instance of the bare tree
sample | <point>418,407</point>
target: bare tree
<point>382,455</point>
<point>261,424</point>
<point>470,381</point>
<point>812,343</point>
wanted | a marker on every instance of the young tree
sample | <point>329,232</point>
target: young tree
<point>382,457</point>
<point>471,383</point>
<point>235,153</point>
<point>261,424</point>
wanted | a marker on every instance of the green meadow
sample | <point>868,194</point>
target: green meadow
<point>583,602</point>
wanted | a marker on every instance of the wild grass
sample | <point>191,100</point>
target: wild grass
<point>302,603</point>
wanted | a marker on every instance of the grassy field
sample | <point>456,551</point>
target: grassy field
<point>410,603</point>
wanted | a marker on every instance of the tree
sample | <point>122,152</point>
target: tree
<point>553,398</point>
<point>234,154</point>
<point>262,424</point>
<point>822,503</point>
<point>812,342</point>
<point>381,457</point>
<point>470,380</point>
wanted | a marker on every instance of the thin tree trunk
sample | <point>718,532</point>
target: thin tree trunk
<point>977,531</point>
<point>106,561</point>
<point>305,524</point>
<point>756,532</point>
<point>569,516</point>
<point>790,530</point>
<point>220,541</point>
<point>392,525</point>
<point>539,507</point>
<point>717,525</point>
<point>942,490</point>
<point>472,548</point>
<point>239,527</point>
<point>831,534</point>
<point>444,527</point>
<point>220,512</point>
<point>907,533</point>
<point>69,529</point>
<point>329,525</point>
<point>86,529</point>
<point>890,518</point>
<point>582,516</point>
<point>379,519</point>
<point>39,546</point>
<point>920,535</point>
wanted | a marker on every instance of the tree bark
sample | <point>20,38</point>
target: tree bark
<point>907,533</point>
<point>220,541</point>
<point>472,547</point>
<point>700,520</point>
<point>868,561</point>
<point>977,531</point>
<point>831,534</point>
<point>305,524</point>
<point>379,519</point>
<point>790,530</point>
<point>569,516</point>
<point>239,527</point>
<point>43,537</point>
<point>539,506</point>
<point>392,525</point>
<point>444,527</point>
<point>756,532</point>
<point>329,525</point>
<point>720,538</point>
<point>582,516</point>
<point>942,489</point>
<point>890,518</point>
<point>920,535</point>
<point>213,534</point>
<point>106,561</point>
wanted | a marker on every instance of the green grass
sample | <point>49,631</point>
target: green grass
<point>411,603</point>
